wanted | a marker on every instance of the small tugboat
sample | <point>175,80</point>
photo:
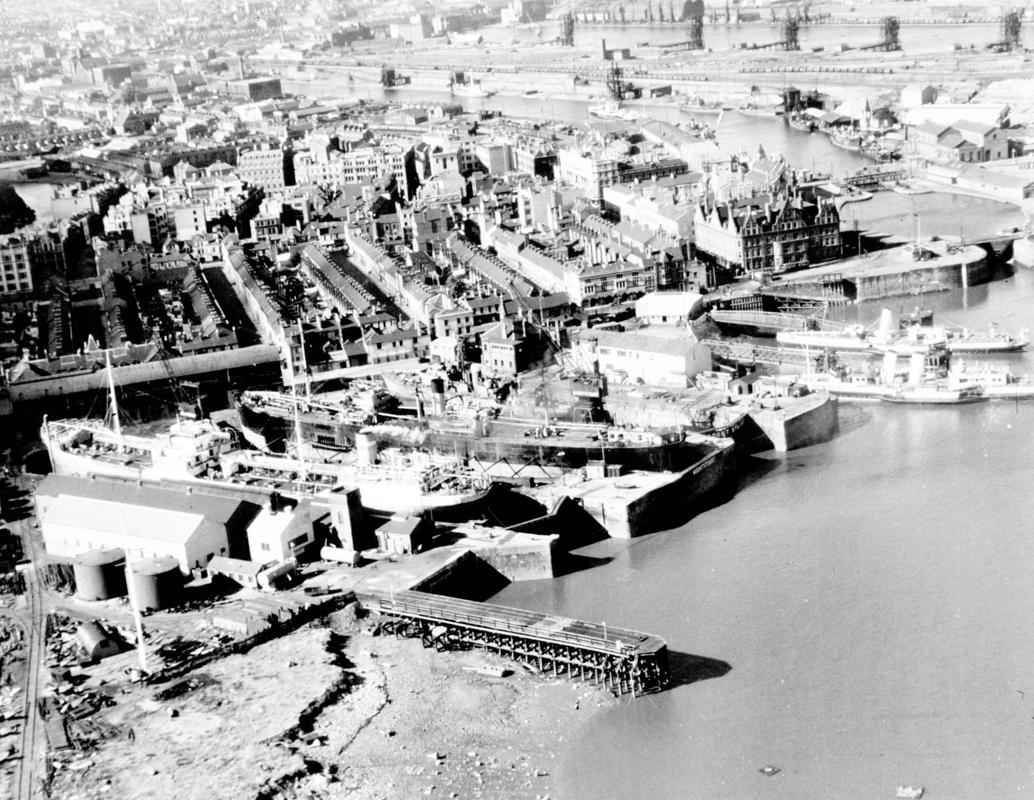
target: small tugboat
<point>768,769</point>
<point>802,123</point>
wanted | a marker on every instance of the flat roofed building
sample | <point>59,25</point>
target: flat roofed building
<point>668,308</point>
<point>648,357</point>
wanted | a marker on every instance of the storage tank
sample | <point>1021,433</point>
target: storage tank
<point>157,583</point>
<point>100,574</point>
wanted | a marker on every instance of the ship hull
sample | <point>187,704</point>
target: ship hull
<point>934,399</point>
<point>279,473</point>
<point>503,439</point>
<point>525,449</point>
<point>823,342</point>
<point>755,323</point>
<point>986,347</point>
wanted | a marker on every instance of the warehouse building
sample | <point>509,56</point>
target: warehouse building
<point>81,514</point>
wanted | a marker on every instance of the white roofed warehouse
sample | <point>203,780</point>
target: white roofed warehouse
<point>74,525</point>
<point>82,514</point>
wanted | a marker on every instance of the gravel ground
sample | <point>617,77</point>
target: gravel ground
<point>339,713</point>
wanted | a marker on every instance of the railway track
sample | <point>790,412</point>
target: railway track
<point>31,764</point>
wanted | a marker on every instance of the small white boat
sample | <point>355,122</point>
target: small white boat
<point>613,110</point>
<point>910,792</point>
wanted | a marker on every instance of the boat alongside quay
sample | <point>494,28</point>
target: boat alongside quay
<point>936,395</point>
<point>613,110</point>
<point>996,380</point>
<point>802,123</point>
<point>910,336</point>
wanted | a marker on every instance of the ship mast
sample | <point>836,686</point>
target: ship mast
<point>116,423</point>
<point>134,603</point>
<point>305,364</point>
<point>302,472</point>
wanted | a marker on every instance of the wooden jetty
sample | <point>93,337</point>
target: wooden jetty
<point>620,659</point>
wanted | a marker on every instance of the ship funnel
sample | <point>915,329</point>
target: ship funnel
<point>915,368</point>
<point>886,324</point>
<point>366,449</point>
<point>438,396</point>
<point>890,365</point>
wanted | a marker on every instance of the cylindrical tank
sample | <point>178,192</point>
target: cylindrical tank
<point>157,583</point>
<point>100,574</point>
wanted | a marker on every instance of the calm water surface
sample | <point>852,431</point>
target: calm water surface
<point>872,595</point>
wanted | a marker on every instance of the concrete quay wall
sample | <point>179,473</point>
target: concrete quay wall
<point>802,425</point>
<point>530,561</point>
<point>670,503</point>
<point>921,279</point>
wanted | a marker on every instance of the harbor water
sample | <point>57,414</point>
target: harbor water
<point>857,615</point>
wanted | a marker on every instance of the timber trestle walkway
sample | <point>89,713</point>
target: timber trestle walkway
<point>622,660</point>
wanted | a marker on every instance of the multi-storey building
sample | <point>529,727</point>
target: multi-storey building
<point>367,164</point>
<point>767,235</point>
<point>189,220</point>
<point>263,167</point>
<point>15,266</point>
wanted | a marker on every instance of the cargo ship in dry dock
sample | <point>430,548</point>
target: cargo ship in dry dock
<point>331,419</point>
<point>392,480</point>
<point>325,427</point>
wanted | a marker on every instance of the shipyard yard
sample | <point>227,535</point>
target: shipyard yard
<point>515,400</point>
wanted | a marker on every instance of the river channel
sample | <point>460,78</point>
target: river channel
<point>872,598</point>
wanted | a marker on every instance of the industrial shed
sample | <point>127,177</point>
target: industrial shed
<point>75,525</point>
<point>184,522</point>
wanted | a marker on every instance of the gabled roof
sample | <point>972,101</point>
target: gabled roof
<point>967,126</point>
<point>932,128</point>
<point>952,139</point>
<point>212,507</point>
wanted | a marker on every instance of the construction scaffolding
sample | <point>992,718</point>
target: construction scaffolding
<point>622,660</point>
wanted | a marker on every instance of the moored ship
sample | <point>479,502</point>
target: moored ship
<point>472,90</point>
<point>612,109</point>
<point>331,420</point>
<point>936,395</point>
<point>852,339</point>
<point>394,480</point>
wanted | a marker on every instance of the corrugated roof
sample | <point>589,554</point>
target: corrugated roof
<point>122,519</point>
<point>213,507</point>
